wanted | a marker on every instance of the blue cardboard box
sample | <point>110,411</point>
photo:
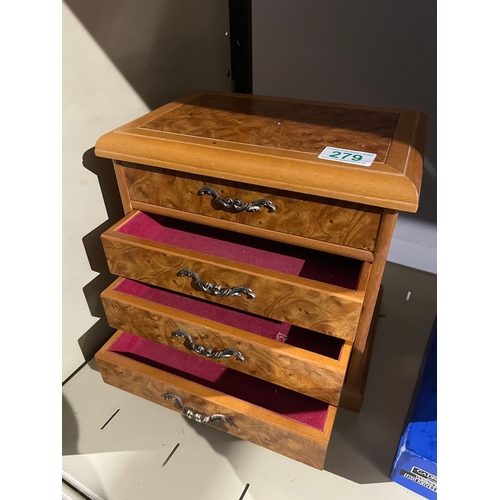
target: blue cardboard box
<point>415,465</point>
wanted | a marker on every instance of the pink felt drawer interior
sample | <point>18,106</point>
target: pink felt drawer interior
<point>275,330</point>
<point>266,254</point>
<point>290,404</point>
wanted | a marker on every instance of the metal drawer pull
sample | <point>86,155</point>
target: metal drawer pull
<point>217,289</point>
<point>191,414</point>
<point>206,351</point>
<point>253,206</point>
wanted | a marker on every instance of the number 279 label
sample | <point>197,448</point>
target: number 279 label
<point>347,156</point>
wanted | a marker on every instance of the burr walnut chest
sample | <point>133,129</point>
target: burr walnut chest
<point>249,264</point>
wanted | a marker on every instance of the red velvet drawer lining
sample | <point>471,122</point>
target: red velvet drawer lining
<point>290,404</point>
<point>275,330</point>
<point>267,254</point>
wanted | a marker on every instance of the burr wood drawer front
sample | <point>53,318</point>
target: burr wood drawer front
<point>306,288</point>
<point>301,360</point>
<point>276,418</point>
<point>314,218</point>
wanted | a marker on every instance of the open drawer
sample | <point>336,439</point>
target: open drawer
<point>276,418</point>
<point>301,360</point>
<point>303,287</point>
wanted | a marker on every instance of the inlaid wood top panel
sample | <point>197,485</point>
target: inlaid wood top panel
<point>299,127</point>
<point>275,143</point>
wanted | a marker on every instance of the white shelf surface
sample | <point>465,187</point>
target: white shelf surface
<point>125,460</point>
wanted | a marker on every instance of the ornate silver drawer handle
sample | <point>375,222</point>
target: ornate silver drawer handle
<point>253,206</point>
<point>217,289</point>
<point>191,414</point>
<point>206,351</point>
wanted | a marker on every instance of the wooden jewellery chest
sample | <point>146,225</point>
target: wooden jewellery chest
<point>249,268</point>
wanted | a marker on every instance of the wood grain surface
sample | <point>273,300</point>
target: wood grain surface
<point>295,126</point>
<point>122,186</point>
<point>352,395</point>
<point>297,369</point>
<point>321,307</point>
<point>353,392</point>
<point>289,159</point>
<point>331,221</point>
<point>259,232</point>
<point>252,147</point>
<point>252,423</point>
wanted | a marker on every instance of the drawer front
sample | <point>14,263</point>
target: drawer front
<point>325,308</point>
<point>309,363</point>
<point>205,405</point>
<point>325,220</point>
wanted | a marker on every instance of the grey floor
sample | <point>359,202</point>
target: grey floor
<point>146,452</point>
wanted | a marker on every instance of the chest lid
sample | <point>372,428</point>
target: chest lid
<point>276,142</point>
